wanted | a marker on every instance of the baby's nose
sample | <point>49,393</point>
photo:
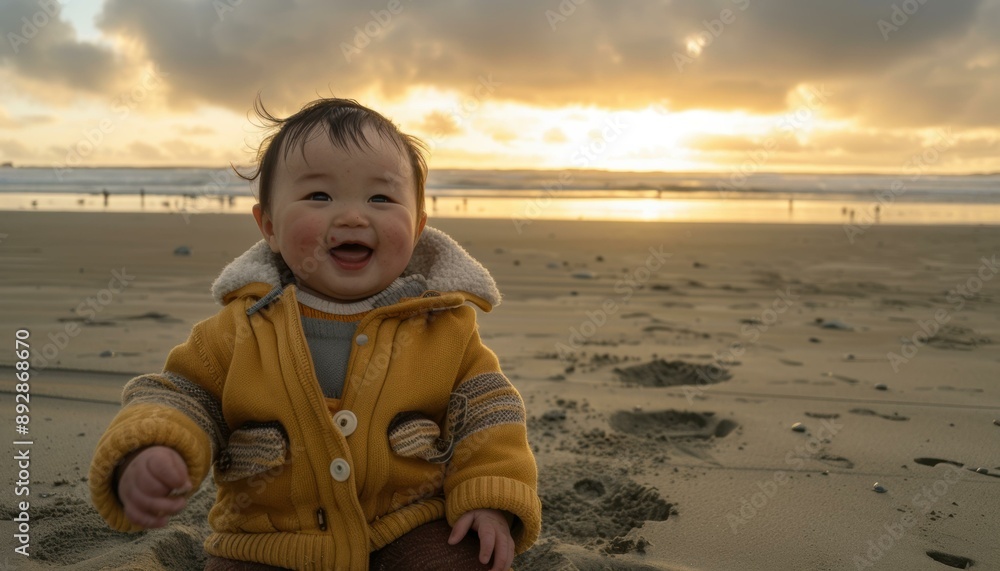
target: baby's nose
<point>350,216</point>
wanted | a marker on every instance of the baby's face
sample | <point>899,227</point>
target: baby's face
<point>345,222</point>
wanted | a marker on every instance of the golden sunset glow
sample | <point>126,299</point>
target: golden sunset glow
<point>668,87</point>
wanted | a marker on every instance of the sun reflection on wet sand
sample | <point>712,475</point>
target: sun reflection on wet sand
<point>526,207</point>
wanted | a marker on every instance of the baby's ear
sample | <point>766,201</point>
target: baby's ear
<point>265,225</point>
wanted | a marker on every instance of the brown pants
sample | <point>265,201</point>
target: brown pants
<point>423,549</point>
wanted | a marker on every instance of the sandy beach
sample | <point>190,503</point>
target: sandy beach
<point>700,396</point>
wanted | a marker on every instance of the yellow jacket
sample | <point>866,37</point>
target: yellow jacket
<point>305,486</point>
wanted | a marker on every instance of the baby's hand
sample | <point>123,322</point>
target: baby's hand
<point>152,486</point>
<point>494,536</point>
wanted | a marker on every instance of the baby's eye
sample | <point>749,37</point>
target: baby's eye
<point>380,198</point>
<point>318,196</point>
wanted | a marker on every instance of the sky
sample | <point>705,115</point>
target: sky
<point>668,85</point>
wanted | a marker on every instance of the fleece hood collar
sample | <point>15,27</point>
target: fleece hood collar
<point>439,259</point>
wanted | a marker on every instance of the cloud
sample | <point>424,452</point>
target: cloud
<point>8,122</point>
<point>144,151</point>
<point>833,143</point>
<point>186,151</point>
<point>13,149</point>
<point>42,48</point>
<point>608,54</point>
<point>503,135</point>
<point>195,130</point>
<point>439,124</point>
<point>887,70</point>
<point>554,135</point>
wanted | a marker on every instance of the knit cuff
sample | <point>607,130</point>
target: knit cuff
<point>494,492</point>
<point>139,426</point>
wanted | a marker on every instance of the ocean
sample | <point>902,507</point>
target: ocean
<point>908,198</point>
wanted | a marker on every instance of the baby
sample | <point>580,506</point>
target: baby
<point>352,415</point>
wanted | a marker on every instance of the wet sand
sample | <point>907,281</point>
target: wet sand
<point>663,367</point>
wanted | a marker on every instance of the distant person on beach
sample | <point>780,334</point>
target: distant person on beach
<point>106,195</point>
<point>352,415</point>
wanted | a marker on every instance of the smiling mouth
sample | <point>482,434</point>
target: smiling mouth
<point>351,256</point>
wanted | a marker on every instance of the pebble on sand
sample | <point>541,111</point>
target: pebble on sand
<point>584,275</point>
<point>879,488</point>
<point>881,387</point>
<point>107,353</point>
<point>996,421</point>
<point>982,471</point>
<point>182,251</point>
<point>799,427</point>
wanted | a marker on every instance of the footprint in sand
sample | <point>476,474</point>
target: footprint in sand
<point>589,489</point>
<point>935,461</point>
<point>661,373</point>
<point>957,338</point>
<point>956,561</point>
<point>838,461</point>
<point>673,424</point>
<point>869,412</point>
<point>822,415</point>
<point>584,510</point>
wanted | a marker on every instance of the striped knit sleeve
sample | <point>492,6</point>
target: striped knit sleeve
<point>491,465</point>
<point>181,411</point>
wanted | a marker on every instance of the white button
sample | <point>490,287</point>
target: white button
<point>346,422</point>
<point>340,469</point>
<point>362,339</point>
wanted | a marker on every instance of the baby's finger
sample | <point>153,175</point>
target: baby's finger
<point>501,553</point>
<point>158,507</point>
<point>460,529</point>
<point>487,539</point>
<point>171,470</point>
<point>511,552</point>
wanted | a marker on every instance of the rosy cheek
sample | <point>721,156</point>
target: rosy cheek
<point>399,239</point>
<point>307,235</point>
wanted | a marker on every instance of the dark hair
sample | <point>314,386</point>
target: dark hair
<point>345,120</point>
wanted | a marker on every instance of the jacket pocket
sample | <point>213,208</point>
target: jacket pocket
<point>253,448</point>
